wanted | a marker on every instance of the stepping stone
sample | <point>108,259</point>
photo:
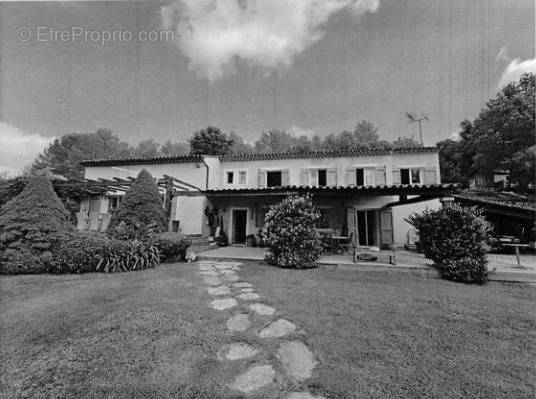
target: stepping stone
<point>303,395</point>
<point>239,322</point>
<point>212,280</point>
<point>296,359</point>
<point>224,303</point>
<point>206,268</point>
<point>238,351</point>
<point>222,290</point>
<point>247,290</point>
<point>256,377</point>
<point>262,309</point>
<point>222,266</point>
<point>231,277</point>
<point>277,329</point>
<point>248,296</point>
<point>242,284</point>
<point>227,271</point>
<point>209,273</point>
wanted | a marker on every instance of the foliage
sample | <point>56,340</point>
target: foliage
<point>140,212</point>
<point>63,156</point>
<point>128,255</point>
<point>522,166</point>
<point>406,142</point>
<point>290,234</point>
<point>80,252</point>
<point>239,145</point>
<point>454,238</point>
<point>10,188</point>
<point>146,149</point>
<point>172,246</point>
<point>210,141</point>
<point>31,225</point>
<point>498,138</point>
<point>169,148</point>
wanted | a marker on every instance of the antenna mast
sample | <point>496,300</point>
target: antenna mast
<point>412,118</point>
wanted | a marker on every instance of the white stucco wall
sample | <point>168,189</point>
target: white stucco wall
<point>190,211</point>
<point>401,212</point>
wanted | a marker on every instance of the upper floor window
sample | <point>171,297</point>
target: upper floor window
<point>366,176</point>
<point>322,177</point>
<point>273,178</point>
<point>235,177</point>
<point>410,176</point>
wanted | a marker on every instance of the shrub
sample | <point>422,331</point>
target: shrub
<point>80,252</point>
<point>172,246</point>
<point>290,234</point>
<point>32,225</point>
<point>128,255</point>
<point>454,238</point>
<point>141,212</point>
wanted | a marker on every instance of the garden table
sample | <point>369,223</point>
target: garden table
<point>516,247</point>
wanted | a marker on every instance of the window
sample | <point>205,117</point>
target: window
<point>360,177</point>
<point>113,203</point>
<point>273,178</point>
<point>230,177</point>
<point>410,176</point>
<point>324,220</point>
<point>242,177</point>
<point>322,177</point>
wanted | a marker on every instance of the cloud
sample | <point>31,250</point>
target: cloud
<point>515,69</point>
<point>18,148</point>
<point>502,55</point>
<point>298,131</point>
<point>217,34</point>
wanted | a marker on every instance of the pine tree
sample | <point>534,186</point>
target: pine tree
<point>31,225</point>
<point>141,210</point>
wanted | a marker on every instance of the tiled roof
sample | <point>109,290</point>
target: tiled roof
<point>256,156</point>
<point>401,189</point>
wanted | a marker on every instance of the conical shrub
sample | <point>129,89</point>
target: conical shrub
<point>140,212</point>
<point>31,225</point>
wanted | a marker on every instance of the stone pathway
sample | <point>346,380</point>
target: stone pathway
<point>294,359</point>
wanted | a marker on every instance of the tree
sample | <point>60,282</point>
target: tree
<point>522,166</point>
<point>239,145</point>
<point>210,141</point>
<point>63,155</point>
<point>406,142</point>
<point>147,149</point>
<point>498,138</point>
<point>141,210</point>
<point>178,148</point>
<point>31,225</point>
<point>365,133</point>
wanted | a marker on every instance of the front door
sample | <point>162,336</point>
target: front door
<point>240,218</point>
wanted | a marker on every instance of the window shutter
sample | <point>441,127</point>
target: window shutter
<point>396,176</point>
<point>304,177</point>
<point>314,178</point>
<point>350,177</point>
<point>369,177</point>
<point>386,223</point>
<point>379,176</point>
<point>332,177</point>
<point>430,176</point>
<point>262,178</point>
<point>285,177</point>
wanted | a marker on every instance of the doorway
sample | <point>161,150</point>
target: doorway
<point>240,219</point>
<point>366,227</point>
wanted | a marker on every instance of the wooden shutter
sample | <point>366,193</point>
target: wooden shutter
<point>386,223</point>
<point>332,177</point>
<point>314,178</point>
<point>350,177</point>
<point>285,177</point>
<point>379,176</point>
<point>430,176</point>
<point>369,177</point>
<point>396,176</point>
<point>262,178</point>
<point>304,177</point>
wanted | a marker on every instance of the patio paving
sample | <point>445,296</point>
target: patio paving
<point>504,265</point>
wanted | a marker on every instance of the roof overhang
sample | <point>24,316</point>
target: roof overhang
<point>429,190</point>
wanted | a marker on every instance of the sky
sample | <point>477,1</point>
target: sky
<point>247,66</point>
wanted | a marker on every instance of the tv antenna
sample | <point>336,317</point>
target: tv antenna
<point>412,118</point>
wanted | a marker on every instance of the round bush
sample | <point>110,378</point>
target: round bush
<point>454,238</point>
<point>80,252</point>
<point>32,225</point>
<point>172,246</point>
<point>290,233</point>
<point>141,212</point>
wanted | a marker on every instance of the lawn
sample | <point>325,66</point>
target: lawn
<point>151,334</point>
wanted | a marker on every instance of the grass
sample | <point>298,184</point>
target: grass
<point>150,334</point>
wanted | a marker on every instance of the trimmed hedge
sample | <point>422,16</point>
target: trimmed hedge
<point>454,238</point>
<point>172,246</point>
<point>290,233</point>
<point>141,212</point>
<point>32,225</point>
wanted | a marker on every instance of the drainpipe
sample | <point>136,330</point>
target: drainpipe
<point>206,180</point>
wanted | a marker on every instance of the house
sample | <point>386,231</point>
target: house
<point>369,192</point>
